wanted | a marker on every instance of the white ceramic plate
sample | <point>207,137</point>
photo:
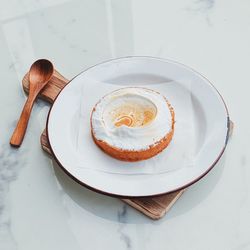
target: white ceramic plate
<point>210,121</point>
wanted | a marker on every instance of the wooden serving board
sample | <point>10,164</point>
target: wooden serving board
<point>153,207</point>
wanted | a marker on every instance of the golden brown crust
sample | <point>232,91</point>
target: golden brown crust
<point>129,155</point>
<point>133,155</point>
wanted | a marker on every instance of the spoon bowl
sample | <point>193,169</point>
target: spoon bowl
<point>40,73</point>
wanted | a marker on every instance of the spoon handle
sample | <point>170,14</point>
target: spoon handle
<point>19,132</point>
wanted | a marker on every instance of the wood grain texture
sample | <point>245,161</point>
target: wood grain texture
<point>20,130</point>
<point>51,90</point>
<point>39,74</point>
<point>154,207</point>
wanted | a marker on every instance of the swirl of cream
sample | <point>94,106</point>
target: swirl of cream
<point>131,118</point>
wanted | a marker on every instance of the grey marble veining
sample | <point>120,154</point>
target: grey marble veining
<point>203,8</point>
<point>11,162</point>
<point>204,5</point>
<point>122,218</point>
<point>40,206</point>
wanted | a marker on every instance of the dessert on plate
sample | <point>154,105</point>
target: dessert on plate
<point>132,124</point>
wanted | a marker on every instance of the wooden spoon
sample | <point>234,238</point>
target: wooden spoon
<point>40,73</point>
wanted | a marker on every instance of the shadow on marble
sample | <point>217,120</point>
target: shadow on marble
<point>100,205</point>
<point>198,192</point>
<point>115,210</point>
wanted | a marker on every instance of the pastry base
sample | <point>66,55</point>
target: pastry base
<point>135,155</point>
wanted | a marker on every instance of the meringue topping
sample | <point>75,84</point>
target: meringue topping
<point>132,118</point>
<point>130,110</point>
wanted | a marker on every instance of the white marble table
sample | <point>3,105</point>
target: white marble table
<point>40,207</point>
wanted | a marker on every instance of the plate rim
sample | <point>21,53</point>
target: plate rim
<point>139,196</point>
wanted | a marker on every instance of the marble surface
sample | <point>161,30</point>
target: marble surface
<point>40,207</point>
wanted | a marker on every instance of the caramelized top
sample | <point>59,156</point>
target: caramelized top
<point>133,115</point>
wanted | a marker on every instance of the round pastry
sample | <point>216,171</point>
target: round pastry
<point>132,124</point>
